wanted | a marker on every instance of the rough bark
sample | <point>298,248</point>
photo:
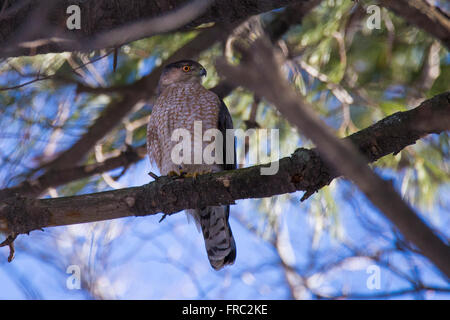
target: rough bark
<point>104,15</point>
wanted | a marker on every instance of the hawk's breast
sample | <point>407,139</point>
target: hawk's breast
<point>179,106</point>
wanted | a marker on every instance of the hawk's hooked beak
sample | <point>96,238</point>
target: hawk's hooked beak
<point>202,72</point>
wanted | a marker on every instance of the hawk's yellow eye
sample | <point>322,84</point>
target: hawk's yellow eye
<point>186,68</point>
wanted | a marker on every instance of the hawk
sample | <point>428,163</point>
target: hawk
<point>181,101</point>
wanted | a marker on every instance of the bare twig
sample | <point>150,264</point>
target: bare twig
<point>153,175</point>
<point>9,241</point>
<point>39,77</point>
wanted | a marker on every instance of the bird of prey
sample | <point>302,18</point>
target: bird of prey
<point>181,101</point>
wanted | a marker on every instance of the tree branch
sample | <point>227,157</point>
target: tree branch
<point>101,15</point>
<point>56,178</point>
<point>304,170</point>
<point>423,15</point>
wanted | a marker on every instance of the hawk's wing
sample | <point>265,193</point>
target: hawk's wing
<point>153,145</point>
<point>226,122</point>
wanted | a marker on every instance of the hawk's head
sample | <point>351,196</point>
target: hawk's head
<point>181,71</point>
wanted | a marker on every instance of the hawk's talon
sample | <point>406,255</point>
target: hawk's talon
<point>184,174</point>
<point>177,174</point>
<point>192,175</point>
<point>197,173</point>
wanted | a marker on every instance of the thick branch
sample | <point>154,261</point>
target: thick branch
<point>389,135</point>
<point>304,170</point>
<point>101,15</point>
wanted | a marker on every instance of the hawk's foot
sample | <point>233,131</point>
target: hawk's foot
<point>177,174</point>
<point>194,175</point>
<point>184,174</point>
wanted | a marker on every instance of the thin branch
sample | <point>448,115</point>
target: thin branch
<point>146,28</point>
<point>423,15</point>
<point>55,178</point>
<point>391,294</point>
<point>39,77</point>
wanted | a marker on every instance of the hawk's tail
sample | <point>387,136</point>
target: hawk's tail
<point>219,241</point>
